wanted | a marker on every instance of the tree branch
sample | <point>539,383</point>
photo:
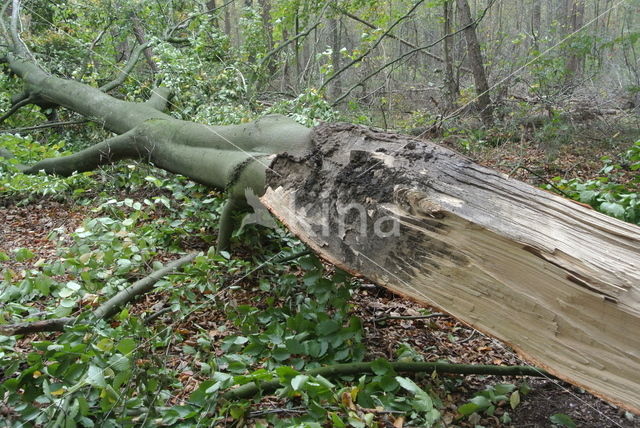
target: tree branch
<point>95,41</point>
<point>181,24</point>
<point>353,369</point>
<point>393,36</point>
<point>286,43</point>
<point>138,32</point>
<point>111,306</point>
<point>104,311</point>
<point>128,68</point>
<point>406,54</point>
<point>375,45</point>
<point>113,149</point>
<point>159,99</point>
<point>45,125</point>
<point>17,106</point>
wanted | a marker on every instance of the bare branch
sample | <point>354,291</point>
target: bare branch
<point>128,68</point>
<point>104,311</point>
<point>182,24</point>
<point>406,54</point>
<point>349,369</point>
<point>91,49</point>
<point>45,125</point>
<point>17,106</point>
<point>393,36</point>
<point>375,45</point>
<point>138,31</point>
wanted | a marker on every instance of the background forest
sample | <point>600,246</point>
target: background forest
<point>546,91</point>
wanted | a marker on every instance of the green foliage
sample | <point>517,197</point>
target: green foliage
<point>486,401</point>
<point>615,192</point>
<point>268,321</point>
<point>308,108</point>
<point>26,188</point>
<point>562,420</point>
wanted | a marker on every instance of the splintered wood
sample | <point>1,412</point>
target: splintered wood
<point>557,281</point>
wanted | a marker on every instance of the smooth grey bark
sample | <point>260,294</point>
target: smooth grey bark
<point>232,158</point>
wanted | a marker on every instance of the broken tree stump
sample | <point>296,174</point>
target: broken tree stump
<point>558,282</point>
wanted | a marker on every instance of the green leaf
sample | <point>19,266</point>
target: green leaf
<point>298,381</point>
<point>525,388</point>
<point>481,402</point>
<point>504,388</point>
<point>126,345</point>
<point>336,421</point>
<point>105,344</point>
<point>468,409</point>
<point>562,420</point>
<point>236,411</point>
<point>613,209</point>
<point>327,327</point>
<point>23,254</point>
<point>514,400</point>
<point>119,362</point>
<point>408,384</point>
<point>381,367</point>
<point>95,377</point>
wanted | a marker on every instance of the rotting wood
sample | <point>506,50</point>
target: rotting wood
<point>558,282</point>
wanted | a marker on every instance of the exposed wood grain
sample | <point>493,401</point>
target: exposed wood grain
<point>557,281</point>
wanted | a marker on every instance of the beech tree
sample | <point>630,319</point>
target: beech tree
<point>556,280</point>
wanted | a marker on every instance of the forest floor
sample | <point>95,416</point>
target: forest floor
<point>435,338</point>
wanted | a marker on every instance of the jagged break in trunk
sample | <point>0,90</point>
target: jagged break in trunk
<point>557,281</point>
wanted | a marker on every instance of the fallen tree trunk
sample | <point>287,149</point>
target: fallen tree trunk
<point>557,281</point>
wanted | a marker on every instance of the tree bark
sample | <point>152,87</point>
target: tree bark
<point>557,281</point>
<point>575,20</point>
<point>451,86</point>
<point>138,31</point>
<point>477,63</point>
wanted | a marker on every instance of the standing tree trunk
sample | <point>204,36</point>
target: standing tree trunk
<point>575,20</point>
<point>536,18</point>
<point>477,63</point>
<point>334,28</point>
<point>451,84</point>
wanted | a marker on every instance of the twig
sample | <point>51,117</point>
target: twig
<point>250,389</point>
<point>292,256</point>
<point>124,72</point>
<point>375,45</point>
<point>182,23</point>
<point>473,333</point>
<point>544,179</point>
<point>45,125</point>
<point>393,36</point>
<point>148,320</point>
<point>104,311</point>
<point>406,54</point>
<point>16,107</point>
<point>410,317</point>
